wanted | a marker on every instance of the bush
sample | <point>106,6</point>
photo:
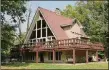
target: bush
<point>80,59</point>
<point>3,57</point>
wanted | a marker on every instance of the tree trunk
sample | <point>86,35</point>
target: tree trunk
<point>28,19</point>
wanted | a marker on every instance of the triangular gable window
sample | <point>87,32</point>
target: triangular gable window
<point>41,31</point>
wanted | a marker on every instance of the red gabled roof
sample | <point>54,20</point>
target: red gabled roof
<point>55,21</point>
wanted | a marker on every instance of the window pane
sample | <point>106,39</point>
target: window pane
<point>43,23</point>
<point>43,32</point>
<point>50,56</point>
<point>39,24</point>
<point>49,33</point>
<point>38,33</point>
<point>58,55</point>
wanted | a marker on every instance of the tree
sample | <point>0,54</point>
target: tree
<point>94,17</point>
<point>7,36</point>
<point>21,39</point>
<point>15,9</point>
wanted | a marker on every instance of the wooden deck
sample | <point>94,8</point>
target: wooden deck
<point>62,45</point>
<point>66,44</point>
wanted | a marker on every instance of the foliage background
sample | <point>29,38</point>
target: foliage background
<point>92,14</point>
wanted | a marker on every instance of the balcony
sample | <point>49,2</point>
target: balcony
<point>65,44</point>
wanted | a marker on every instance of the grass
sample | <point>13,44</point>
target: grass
<point>92,65</point>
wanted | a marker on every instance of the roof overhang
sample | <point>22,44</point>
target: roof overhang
<point>85,37</point>
<point>64,25</point>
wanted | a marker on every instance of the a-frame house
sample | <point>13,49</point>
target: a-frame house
<point>55,38</point>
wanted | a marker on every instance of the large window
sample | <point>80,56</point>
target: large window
<point>43,31</point>
<point>50,55</point>
<point>58,55</point>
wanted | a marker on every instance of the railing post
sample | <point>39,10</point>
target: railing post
<point>86,56</point>
<point>73,56</point>
<point>97,55</point>
<point>37,56</point>
<point>53,56</point>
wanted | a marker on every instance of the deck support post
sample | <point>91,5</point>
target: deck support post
<point>73,56</point>
<point>96,55</point>
<point>86,56</point>
<point>53,56</point>
<point>37,56</point>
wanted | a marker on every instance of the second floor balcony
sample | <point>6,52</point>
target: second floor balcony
<point>65,44</point>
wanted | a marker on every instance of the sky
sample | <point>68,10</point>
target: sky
<point>50,5</point>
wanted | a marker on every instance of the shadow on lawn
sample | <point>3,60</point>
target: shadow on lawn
<point>16,64</point>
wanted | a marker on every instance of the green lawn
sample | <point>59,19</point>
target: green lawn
<point>92,65</point>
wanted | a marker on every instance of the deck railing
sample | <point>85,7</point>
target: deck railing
<point>77,43</point>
